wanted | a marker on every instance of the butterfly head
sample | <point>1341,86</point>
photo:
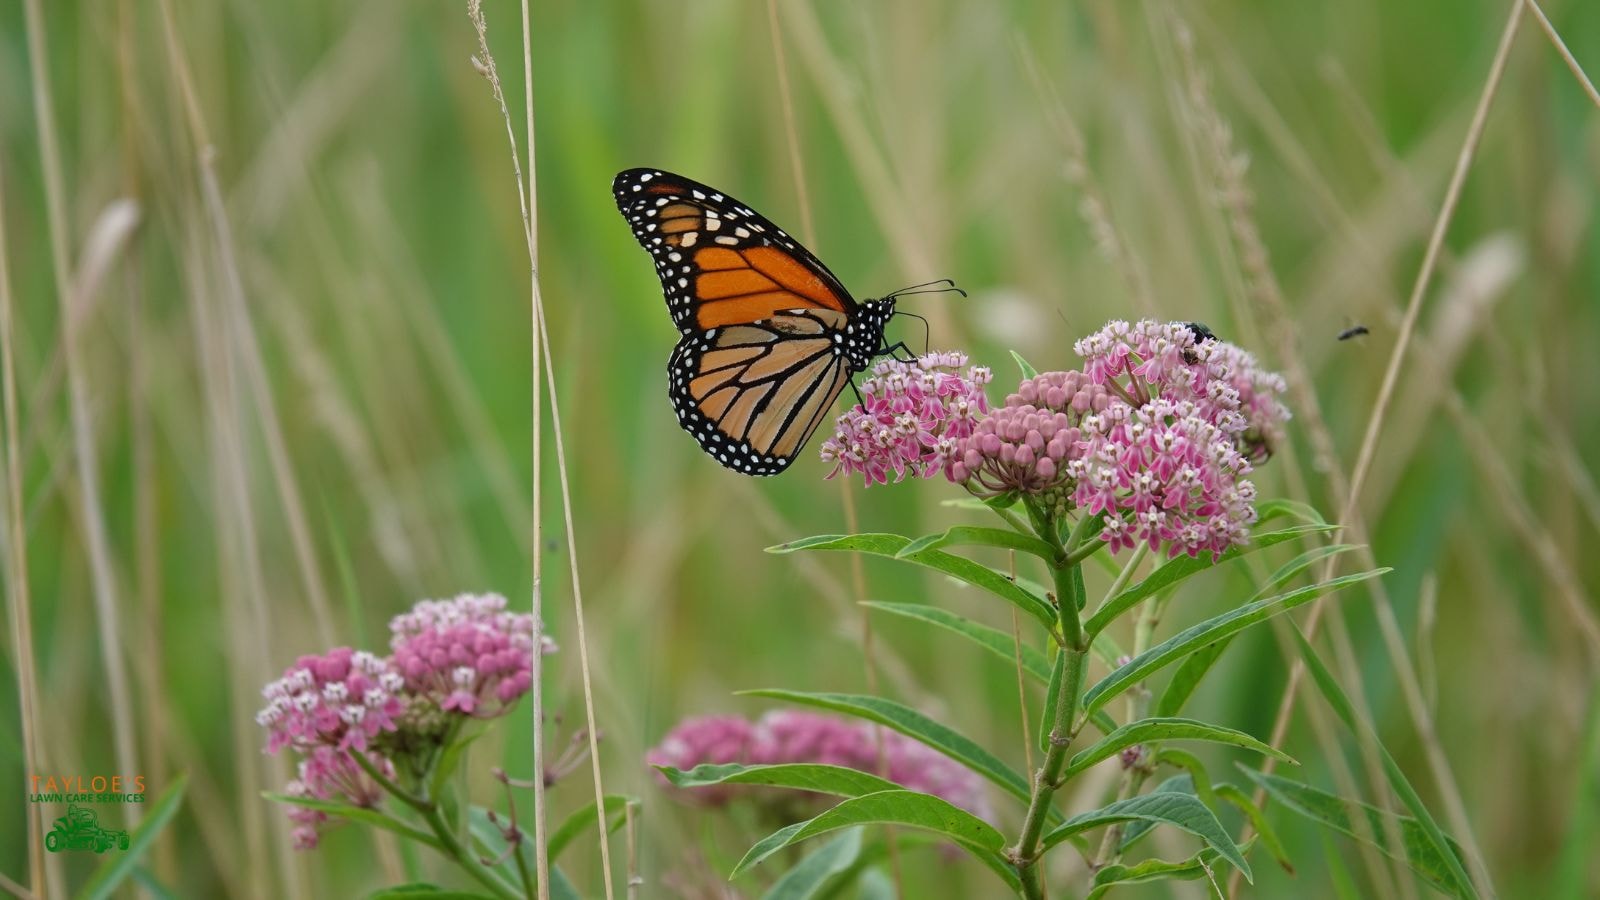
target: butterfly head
<point>863,337</point>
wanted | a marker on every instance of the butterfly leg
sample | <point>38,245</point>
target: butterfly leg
<point>899,346</point>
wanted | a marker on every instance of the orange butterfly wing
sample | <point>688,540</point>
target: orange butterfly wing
<point>770,337</point>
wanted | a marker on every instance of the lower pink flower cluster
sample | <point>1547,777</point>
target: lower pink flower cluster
<point>468,657</point>
<point>787,736</point>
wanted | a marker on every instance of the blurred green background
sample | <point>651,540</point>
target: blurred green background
<point>322,396</point>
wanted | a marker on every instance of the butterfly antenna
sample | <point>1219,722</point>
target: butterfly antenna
<point>927,332</point>
<point>929,287</point>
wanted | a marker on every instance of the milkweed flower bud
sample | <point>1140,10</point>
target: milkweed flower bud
<point>468,656</point>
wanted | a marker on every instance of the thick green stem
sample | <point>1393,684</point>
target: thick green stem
<point>429,810</point>
<point>1047,780</point>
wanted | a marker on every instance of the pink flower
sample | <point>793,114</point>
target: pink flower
<point>788,736</point>
<point>329,774</point>
<point>1166,460</point>
<point>1157,433</point>
<point>467,656</point>
<point>342,699</point>
<point>911,417</point>
<point>1025,446</point>
<point>704,740</point>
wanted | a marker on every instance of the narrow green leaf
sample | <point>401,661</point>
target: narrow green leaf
<point>1214,629</point>
<point>1177,784</point>
<point>1149,731</point>
<point>1577,846</point>
<point>907,808</point>
<point>1299,564</point>
<point>362,814</point>
<point>838,780</point>
<point>914,725</point>
<point>584,819</point>
<point>890,545</point>
<point>1027,370</point>
<point>1197,866</point>
<point>449,761</point>
<point>1178,810</point>
<point>561,887</point>
<point>118,867</point>
<point>812,874</point>
<point>1267,510</point>
<point>1341,815</point>
<point>1258,819</point>
<point>1186,678</point>
<point>1176,570</point>
<point>1334,694</point>
<point>982,536</point>
<point>1000,643</point>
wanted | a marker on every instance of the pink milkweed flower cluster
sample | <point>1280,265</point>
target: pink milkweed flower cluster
<point>467,655</point>
<point>451,660</point>
<point>1167,462</point>
<point>788,736</point>
<point>341,699</point>
<point>911,420</point>
<point>327,774</point>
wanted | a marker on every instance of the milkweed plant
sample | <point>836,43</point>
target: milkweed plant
<point>381,741</point>
<point>1138,460</point>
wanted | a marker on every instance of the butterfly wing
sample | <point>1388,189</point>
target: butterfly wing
<point>720,262</point>
<point>751,394</point>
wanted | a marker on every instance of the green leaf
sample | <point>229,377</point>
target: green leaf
<point>560,887</point>
<point>1000,643</point>
<point>915,725</point>
<point>1178,810</point>
<point>365,815</point>
<point>1176,570</point>
<point>1181,686</point>
<point>890,545</point>
<point>812,874</point>
<point>1027,370</point>
<point>1200,865</point>
<point>1299,564</point>
<point>1148,731</point>
<point>1214,629</point>
<point>1340,814</point>
<point>1573,860</point>
<point>1188,675</point>
<point>118,867</point>
<point>907,808</point>
<point>1336,698</point>
<point>821,779</point>
<point>449,761</point>
<point>1267,510</point>
<point>488,837</point>
<point>584,819</point>
<point>1258,820</point>
<point>1181,783</point>
<point>982,536</point>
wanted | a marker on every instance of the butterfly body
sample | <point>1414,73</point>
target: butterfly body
<point>768,336</point>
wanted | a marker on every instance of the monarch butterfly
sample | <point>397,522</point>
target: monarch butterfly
<point>769,336</point>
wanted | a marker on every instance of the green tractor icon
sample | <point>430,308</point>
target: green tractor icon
<point>80,829</point>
